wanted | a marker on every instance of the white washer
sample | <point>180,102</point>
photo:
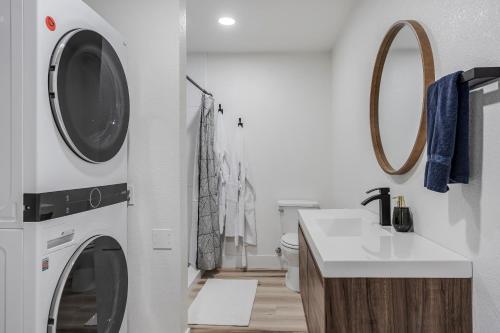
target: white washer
<point>75,267</point>
<point>58,274</point>
<point>63,134</point>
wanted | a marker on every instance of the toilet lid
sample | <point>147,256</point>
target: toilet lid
<point>290,240</point>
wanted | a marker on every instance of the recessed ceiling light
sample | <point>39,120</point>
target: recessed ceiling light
<point>227,21</point>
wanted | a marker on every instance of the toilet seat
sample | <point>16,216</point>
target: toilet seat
<point>290,240</point>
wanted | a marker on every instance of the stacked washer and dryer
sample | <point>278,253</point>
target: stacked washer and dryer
<point>63,183</point>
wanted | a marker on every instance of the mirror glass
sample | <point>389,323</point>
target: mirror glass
<point>400,97</point>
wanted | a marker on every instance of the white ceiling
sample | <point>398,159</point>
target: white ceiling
<point>265,25</point>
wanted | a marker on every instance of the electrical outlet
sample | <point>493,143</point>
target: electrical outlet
<point>162,239</point>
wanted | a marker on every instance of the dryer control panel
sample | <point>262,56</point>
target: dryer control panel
<point>50,205</point>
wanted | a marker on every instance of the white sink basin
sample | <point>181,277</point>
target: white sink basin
<point>349,227</point>
<point>351,243</point>
<point>341,227</point>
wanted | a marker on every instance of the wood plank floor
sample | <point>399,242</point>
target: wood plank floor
<point>276,308</point>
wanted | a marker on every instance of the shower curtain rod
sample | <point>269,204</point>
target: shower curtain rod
<point>198,86</point>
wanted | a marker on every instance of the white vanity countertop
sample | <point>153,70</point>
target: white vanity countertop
<point>351,243</point>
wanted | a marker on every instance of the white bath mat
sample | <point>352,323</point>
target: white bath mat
<point>223,302</point>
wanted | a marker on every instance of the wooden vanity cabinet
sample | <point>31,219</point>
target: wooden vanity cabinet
<point>303,258</point>
<point>312,288</point>
<point>385,305</point>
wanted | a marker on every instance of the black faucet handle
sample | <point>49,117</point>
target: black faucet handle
<point>383,190</point>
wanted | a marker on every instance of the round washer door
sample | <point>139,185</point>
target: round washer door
<point>91,294</point>
<point>88,95</point>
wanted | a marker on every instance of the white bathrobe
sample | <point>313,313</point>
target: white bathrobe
<point>222,156</point>
<point>240,197</point>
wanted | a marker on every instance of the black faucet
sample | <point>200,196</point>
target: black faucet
<point>384,204</point>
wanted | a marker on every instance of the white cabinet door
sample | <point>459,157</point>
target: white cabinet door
<point>11,280</point>
<point>10,116</point>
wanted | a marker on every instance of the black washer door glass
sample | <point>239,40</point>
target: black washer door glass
<point>92,294</point>
<point>89,95</point>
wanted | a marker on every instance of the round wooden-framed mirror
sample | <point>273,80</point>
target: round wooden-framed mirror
<point>408,36</point>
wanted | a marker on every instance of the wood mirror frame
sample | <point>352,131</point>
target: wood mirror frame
<point>428,78</point>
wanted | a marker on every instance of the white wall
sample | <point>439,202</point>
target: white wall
<point>463,35</point>
<point>400,102</point>
<point>155,33</point>
<point>284,100</point>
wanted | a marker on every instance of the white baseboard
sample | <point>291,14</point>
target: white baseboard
<point>254,262</point>
<point>193,276</point>
<point>188,330</point>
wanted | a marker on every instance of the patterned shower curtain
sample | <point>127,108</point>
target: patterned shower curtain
<point>209,239</point>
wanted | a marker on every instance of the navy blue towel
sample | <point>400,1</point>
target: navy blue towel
<point>447,133</point>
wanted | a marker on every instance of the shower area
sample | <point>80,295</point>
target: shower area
<point>198,103</point>
<point>220,192</point>
<point>194,93</point>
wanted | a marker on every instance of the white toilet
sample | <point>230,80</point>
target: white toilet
<point>289,243</point>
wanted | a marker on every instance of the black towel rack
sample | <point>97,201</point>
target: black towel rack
<point>480,76</point>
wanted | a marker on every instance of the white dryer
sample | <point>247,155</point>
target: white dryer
<point>63,191</point>
<point>75,109</point>
<point>75,272</point>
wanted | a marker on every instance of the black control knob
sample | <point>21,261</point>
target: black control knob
<point>95,198</point>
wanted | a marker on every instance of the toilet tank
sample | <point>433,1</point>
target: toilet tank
<point>289,217</point>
